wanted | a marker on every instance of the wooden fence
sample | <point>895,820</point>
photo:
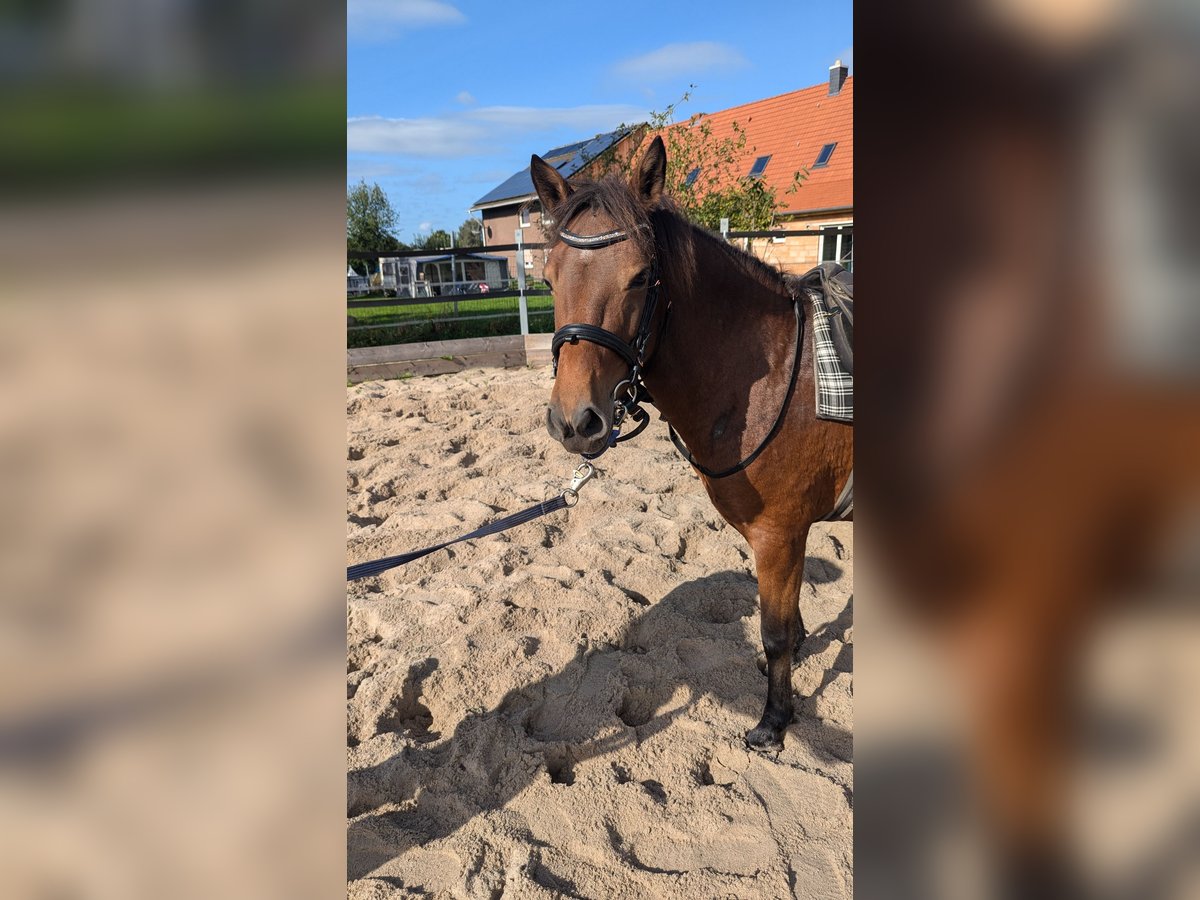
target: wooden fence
<point>443,357</point>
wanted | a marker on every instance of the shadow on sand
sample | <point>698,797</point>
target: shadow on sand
<point>606,698</point>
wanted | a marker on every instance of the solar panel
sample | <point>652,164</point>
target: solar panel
<point>568,159</point>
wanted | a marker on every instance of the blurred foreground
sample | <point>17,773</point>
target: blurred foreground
<point>1029,450</point>
<point>171,623</point>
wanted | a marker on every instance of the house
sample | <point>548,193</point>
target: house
<point>806,130</point>
<point>442,274</point>
<point>513,204</point>
<point>810,130</point>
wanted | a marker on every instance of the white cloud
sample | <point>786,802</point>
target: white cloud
<point>425,226</point>
<point>465,98</point>
<point>384,19</point>
<point>674,60</point>
<point>439,137</point>
<point>473,132</point>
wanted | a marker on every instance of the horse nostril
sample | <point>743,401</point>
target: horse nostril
<point>588,424</point>
<point>557,425</point>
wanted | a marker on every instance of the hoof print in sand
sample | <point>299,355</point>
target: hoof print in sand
<point>402,713</point>
<point>637,707</point>
<point>656,791</point>
<point>560,765</point>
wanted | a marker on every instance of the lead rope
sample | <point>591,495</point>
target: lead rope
<point>584,472</point>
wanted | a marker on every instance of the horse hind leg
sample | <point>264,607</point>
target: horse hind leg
<point>780,566</point>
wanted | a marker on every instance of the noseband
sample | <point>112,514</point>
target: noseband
<point>630,391</point>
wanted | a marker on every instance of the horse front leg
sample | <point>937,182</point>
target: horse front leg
<point>780,563</point>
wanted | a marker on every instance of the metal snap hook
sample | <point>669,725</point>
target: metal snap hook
<point>583,474</point>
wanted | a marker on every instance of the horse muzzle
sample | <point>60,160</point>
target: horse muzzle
<point>583,430</point>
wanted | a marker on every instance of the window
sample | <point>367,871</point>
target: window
<point>691,177</point>
<point>837,245</point>
<point>823,156</point>
<point>759,166</point>
<point>524,217</point>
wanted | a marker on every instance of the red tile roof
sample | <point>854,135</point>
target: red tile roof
<point>792,128</point>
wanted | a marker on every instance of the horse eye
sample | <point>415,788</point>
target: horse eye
<point>640,279</point>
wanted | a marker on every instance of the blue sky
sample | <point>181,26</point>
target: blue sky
<point>447,98</point>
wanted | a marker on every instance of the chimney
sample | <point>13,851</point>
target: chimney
<point>837,77</point>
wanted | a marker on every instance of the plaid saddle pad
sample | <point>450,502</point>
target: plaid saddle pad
<point>830,292</point>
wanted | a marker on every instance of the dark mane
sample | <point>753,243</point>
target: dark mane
<point>767,275</point>
<point>671,237</point>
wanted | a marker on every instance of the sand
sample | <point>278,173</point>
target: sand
<point>559,710</point>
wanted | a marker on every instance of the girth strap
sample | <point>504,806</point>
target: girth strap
<point>844,506</point>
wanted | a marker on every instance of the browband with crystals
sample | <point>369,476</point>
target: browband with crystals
<point>593,241</point>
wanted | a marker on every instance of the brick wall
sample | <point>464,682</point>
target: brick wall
<point>795,255</point>
<point>503,222</point>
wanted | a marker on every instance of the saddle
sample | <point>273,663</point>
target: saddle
<point>828,290</point>
<point>834,287</point>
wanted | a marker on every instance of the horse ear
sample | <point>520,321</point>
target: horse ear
<point>652,172</point>
<point>552,189</point>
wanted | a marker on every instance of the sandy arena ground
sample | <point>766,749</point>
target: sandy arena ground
<point>559,710</point>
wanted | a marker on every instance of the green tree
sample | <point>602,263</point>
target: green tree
<point>370,219</point>
<point>436,240</point>
<point>470,233</point>
<point>719,189</point>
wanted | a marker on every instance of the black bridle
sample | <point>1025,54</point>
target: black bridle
<point>630,392</point>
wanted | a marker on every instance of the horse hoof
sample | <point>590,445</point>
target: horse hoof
<point>764,739</point>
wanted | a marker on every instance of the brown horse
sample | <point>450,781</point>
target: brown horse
<point>719,342</point>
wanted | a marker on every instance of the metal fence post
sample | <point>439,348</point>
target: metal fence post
<point>725,230</point>
<point>524,305</point>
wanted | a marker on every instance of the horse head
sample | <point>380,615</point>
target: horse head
<point>602,272</point>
